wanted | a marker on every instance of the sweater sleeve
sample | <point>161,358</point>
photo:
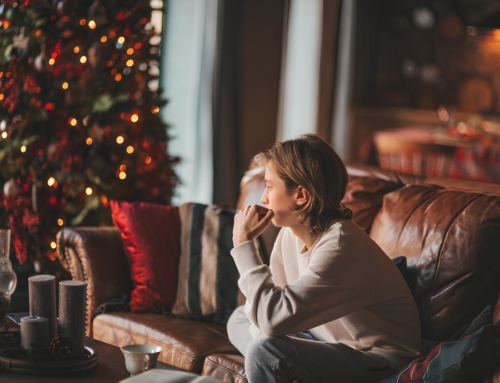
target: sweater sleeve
<point>328,289</point>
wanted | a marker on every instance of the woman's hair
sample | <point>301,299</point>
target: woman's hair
<point>310,162</point>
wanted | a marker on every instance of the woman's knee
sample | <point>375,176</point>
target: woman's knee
<point>268,359</point>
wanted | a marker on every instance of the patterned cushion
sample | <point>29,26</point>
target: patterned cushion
<point>208,278</point>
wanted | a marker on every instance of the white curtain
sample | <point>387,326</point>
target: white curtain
<point>187,75</point>
<point>300,71</point>
<point>345,63</point>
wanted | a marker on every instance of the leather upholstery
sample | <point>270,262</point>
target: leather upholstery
<point>447,229</point>
<point>225,367</point>
<point>95,255</point>
<point>185,343</point>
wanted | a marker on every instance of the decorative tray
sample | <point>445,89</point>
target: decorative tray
<point>60,367</point>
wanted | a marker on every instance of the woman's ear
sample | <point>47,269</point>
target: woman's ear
<point>302,196</point>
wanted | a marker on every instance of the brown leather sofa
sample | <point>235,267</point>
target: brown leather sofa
<point>449,231</point>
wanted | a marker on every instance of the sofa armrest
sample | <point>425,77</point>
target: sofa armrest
<point>95,255</point>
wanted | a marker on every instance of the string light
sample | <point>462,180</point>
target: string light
<point>130,149</point>
<point>5,135</point>
<point>76,49</point>
<point>23,149</point>
<point>65,85</point>
<point>123,167</point>
<point>130,63</point>
<point>52,61</point>
<point>51,181</point>
<point>155,109</point>
<point>118,77</point>
<point>83,22</point>
<point>88,191</point>
<point>120,140</point>
<point>147,159</point>
<point>1,97</point>
<point>73,122</point>
<point>60,222</point>
<point>104,200</point>
<point>121,40</point>
<point>83,59</point>
<point>92,24</point>
<point>53,245</point>
<point>104,39</point>
<point>122,175</point>
<point>130,51</point>
<point>134,118</point>
<point>89,141</point>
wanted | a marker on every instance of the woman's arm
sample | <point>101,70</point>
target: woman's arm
<point>330,288</point>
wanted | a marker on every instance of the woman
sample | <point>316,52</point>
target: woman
<point>331,307</point>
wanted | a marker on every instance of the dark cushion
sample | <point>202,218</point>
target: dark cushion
<point>150,235</point>
<point>472,359</point>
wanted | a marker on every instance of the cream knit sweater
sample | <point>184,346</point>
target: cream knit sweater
<point>343,289</point>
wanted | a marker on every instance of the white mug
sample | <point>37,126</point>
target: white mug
<point>140,357</point>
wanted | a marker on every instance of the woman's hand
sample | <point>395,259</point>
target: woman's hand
<point>250,222</point>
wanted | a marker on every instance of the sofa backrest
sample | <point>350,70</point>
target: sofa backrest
<point>449,231</point>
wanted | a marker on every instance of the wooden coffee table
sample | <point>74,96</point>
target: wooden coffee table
<point>110,369</point>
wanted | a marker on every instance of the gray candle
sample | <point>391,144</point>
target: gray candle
<point>34,332</point>
<point>42,299</point>
<point>72,295</point>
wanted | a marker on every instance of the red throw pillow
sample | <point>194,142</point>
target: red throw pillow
<point>151,238</point>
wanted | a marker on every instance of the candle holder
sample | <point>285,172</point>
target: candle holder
<point>8,278</point>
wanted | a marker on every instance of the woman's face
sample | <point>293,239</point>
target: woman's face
<point>277,198</point>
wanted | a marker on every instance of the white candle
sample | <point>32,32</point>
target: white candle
<point>42,300</point>
<point>34,332</point>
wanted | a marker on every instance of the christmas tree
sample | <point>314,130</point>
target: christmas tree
<point>79,116</point>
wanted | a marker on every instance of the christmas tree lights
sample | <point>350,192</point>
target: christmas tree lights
<point>79,121</point>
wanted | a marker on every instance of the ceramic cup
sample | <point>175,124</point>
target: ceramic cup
<point>140,357</point>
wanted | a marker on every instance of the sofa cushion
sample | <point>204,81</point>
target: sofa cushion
<point>208,277</point>
<point>185,343</point>
<point>150,234</point>
<point>451,241</point>
<point>228,368</point>
<point>364,197</point>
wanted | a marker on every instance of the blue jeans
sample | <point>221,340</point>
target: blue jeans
<point>296,358</point>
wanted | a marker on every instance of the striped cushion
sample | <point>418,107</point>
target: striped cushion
<point>208,279</point>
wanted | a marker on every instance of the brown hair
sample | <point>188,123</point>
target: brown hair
<point>310,162</point>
